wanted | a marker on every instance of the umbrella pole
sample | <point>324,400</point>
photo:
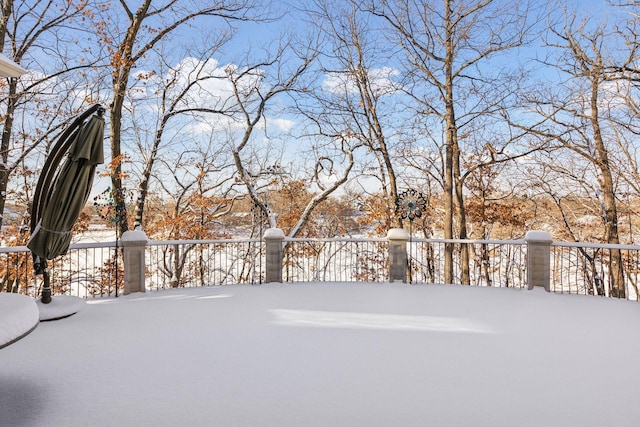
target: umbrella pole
<point>40,266</point>
<point>46,288</point>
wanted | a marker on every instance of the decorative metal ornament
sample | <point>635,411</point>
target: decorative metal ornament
<point>410,204</point>
<point>111,204</point>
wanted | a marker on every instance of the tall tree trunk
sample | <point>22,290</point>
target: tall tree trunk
<point>7,7</point>
<point>616,272</point>
<point>122,63</point>
<point>369,103</point>
<point>116,154</point>
<point>143,187</point>
<point>449,148</point>
<point>465,278</point>
<point>5,144</point>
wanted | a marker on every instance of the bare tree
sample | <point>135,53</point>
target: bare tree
<point>175,94</point>
<point>195,190</point>
<point>626,109</point>
<point>577,113</point>
<point>357,96</point>
<point>152,22</point>
<point>52,91</point>
<point>255,87</point>
<point>448,47</point>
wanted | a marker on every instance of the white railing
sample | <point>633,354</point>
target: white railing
<point>86,270</point>
<point>16,270</point>
<point>92,269</point>
<point>499,263</point>
<point>335,260</point>
<point>183,263</point>
<point>588,268</point>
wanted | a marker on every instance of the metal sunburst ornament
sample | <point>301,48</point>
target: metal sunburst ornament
<point>410,204</point>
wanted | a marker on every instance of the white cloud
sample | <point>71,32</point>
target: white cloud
<point>284,125</point>
<point>209,88</point>
<point>381,81</point>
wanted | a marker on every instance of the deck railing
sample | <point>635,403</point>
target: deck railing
<point>87,270</point>
<point>183,263</point>
<point>588,268</point>
<point>499,263</point>
<point>335,260</point>
<point>93,269</point>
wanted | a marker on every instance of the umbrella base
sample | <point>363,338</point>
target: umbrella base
<point>60,307</point>
<point>46,296</point>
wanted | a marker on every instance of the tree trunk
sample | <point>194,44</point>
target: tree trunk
<point>616,272</point>
<point>122,62</point>
<point>143,187</point>
<point>5,144</point>
<point>465,278</point>
<point>450,138</point>
<point>116,154</point>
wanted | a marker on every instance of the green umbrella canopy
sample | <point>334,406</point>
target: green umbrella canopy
<point>52,235</point>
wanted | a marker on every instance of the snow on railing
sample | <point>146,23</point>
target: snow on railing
<point>92,269</point>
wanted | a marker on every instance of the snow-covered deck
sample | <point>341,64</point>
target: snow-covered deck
<point>330,354</point>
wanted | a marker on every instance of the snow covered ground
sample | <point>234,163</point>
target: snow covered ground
<point>322,354</point>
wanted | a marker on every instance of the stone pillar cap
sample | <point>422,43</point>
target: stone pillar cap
<point>273,233</point>
<point>538,236</point>
<point>136,235</point>
<point>397,234</point>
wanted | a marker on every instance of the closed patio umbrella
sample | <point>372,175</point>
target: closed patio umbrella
<point>58,203</point>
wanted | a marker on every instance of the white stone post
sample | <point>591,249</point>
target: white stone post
<point>273,238</point>
<point>398,239</point>
<point>134,243</point>
<point>538,259</point>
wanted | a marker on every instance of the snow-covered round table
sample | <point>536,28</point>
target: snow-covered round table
<point>19,315</point>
